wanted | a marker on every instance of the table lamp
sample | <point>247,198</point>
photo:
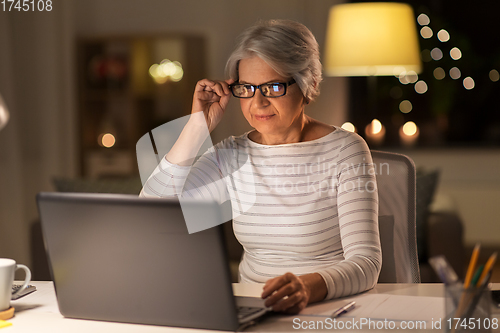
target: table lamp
<point>371,39</point>
<point>4,113</point>
<point>366,39</point>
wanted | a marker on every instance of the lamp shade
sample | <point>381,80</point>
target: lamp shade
<point>4,113</point>
<point>366,39</point>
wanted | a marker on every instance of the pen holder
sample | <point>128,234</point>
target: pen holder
<point>468,310</point>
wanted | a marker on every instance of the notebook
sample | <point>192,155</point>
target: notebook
<point>127,259</point>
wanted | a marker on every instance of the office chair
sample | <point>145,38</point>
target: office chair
<point>395,175</point>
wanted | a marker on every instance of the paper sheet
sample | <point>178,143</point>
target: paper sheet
<point>381,306</point>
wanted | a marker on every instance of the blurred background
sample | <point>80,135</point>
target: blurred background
<point>84,81</point>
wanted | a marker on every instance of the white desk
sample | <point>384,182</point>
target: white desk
<point>38,312</point>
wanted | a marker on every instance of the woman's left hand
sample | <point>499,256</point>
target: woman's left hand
<point>286,293</point>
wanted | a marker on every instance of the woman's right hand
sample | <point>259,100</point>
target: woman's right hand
<point>212,98</point>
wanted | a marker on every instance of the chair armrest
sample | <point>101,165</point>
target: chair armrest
<point>444,233</point>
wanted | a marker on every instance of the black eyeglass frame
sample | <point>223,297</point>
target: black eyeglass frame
<point>259,87</point>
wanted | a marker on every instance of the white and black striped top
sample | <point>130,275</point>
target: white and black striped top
<point>302,207</point>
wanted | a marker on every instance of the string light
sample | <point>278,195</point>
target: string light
<point>436,54</point>
<point>408,77</point>
<point>439,73</point>
<point>443,36</point>
<point>423,19</point>
<point>403,79</point>
<point>426,32</point>
<point>455,73</point>
<point>405,106</point>
<point>421,87</point>
<point>494,76</point>
<point>455,53</point>
<point>469,83</point>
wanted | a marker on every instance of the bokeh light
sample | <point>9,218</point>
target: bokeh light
<point>166,70</point>
<point>375,132</point>
<point>436,54</point>
<point>455,73</point>
<point>107,140</point>
<point>410,128</point>
<point>439,73</point>
<point>494,76</point>
<point>421,87</point>
<point>405,106</point>
<point>469,83</point>
<point>455,53</point>
<point>403,79</point>
<point>426,32</point>
<point>443,35</point>
<point>349,127</point>
<point>376,126</point>
<point>411,77</point>
<point>408,77</point>
<point>423,19</point>
<point>4,113</point>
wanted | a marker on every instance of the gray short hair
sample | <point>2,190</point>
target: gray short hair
<point>287,46</point>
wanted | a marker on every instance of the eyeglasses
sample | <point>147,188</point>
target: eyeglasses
<point>244,90</point>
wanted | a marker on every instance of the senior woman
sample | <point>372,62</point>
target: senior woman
<point>312,231</point>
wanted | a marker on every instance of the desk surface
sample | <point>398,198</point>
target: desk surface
<point>38,312</point>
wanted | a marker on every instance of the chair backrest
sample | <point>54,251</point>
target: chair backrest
<point>397,217</point>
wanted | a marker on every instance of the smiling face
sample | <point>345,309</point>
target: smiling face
<point>278,119</point>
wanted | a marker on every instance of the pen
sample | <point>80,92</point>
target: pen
<point>475,279</point>
<point>344,309</point>
<point>444,270</point>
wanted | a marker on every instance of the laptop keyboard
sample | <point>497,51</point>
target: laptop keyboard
<point>246,314</point>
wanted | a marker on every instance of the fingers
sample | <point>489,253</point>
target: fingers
<point>296,308</point>
<point>221,88</point>
<point>276,283</point>
<point>211,97</point>
<point>289,302</point>
<point>285,293</point>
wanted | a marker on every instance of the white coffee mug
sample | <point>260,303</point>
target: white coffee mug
<point>7,269</point>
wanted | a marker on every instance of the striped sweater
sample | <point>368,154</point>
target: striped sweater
<point>302,207</point>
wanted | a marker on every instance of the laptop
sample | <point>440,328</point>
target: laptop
<point>127,259</point>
